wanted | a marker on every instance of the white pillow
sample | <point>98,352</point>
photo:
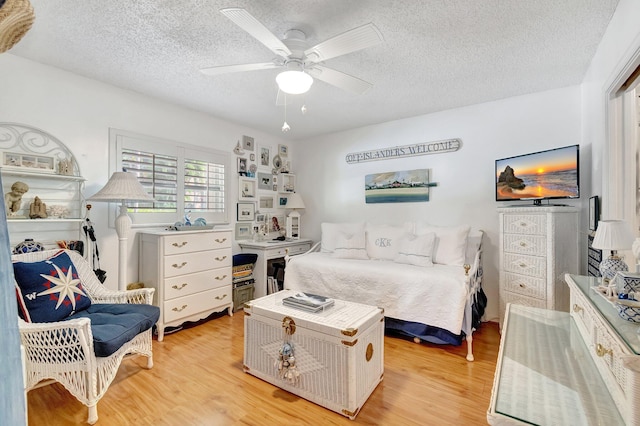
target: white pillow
<point>416,249</point>
<point>451,242</point>
<point>331,231</point>
<point>383,241</point>
<point>350,246</point>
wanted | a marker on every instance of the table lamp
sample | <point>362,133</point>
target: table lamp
<point>294,201</point>
<point>120,188</point>
<point>612,235</point>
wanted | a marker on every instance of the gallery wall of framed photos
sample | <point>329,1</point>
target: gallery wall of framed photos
<point>264,179</point>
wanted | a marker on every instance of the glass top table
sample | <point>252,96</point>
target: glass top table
<point>545,375</point>
<point>627,330</point>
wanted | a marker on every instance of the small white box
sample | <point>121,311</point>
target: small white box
<point>339,352</point>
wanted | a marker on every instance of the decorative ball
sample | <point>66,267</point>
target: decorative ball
<point>27,246</point>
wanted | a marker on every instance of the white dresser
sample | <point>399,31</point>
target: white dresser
<point>538,245</point>
<point>191,272</point>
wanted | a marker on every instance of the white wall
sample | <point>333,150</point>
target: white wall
<point>334,190</point>
<point>79,112</point>
<point>619,44</point>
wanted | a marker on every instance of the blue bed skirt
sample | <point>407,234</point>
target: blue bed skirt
<point>410,330</point>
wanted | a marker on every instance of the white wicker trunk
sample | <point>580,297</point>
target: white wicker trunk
<point>339,353</point>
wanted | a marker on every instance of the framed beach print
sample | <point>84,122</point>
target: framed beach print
<point>246,189</point>
<point>265,156</point>
<point>247,143</point>
<point>246,212</point>
<point>265,181</point>
<point>243,231</point>
<point>594,213</point>
<point>266,202</point>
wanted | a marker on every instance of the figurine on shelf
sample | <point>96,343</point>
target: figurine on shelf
<point>13,198</point>
<point>38,209</point>
<point>65,167</point>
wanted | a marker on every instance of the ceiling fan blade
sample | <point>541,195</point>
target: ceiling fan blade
<point>341,80</point>
<point>358,38</point>
<point>225,69</point>
<point>247,22</point>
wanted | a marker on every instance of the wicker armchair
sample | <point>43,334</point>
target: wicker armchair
<point>63,351</point>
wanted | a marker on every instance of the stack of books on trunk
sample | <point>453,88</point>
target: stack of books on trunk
<point>308,302</point>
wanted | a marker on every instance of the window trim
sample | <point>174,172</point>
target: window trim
<point>119,138</point>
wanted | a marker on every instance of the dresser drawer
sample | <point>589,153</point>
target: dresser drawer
<point>531,224</point>
<point>188,242</point>
<point>525,265</point>
<point>186,306</point>
<point>535,245</point>
<point>187,284</point>
<point>524,285</point>
<point>277,252</point>
<point>189,263</point>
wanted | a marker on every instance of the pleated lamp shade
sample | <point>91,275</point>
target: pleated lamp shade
<point>121,187</point>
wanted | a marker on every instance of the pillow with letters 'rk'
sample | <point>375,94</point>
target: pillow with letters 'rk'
<point>49,290</point>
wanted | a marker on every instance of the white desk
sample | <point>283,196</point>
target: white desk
<point>269,250</point>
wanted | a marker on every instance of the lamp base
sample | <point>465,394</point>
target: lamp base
<point>610,266</point>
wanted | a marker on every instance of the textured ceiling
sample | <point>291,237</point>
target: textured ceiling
<point>437,54</point>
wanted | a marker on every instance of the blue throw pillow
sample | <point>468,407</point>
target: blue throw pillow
<point>49,290</point>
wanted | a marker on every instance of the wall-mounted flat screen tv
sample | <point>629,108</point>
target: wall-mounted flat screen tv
<point>543,175</point>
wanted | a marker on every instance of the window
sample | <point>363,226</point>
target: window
<point>183,179</point>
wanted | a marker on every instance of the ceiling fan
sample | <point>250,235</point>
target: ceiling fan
<point>302,62</point>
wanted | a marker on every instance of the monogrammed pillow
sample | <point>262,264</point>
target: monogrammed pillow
<point>383,241</point>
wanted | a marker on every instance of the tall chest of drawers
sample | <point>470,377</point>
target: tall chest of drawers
<point>191,272</point>
<point>538,245</point>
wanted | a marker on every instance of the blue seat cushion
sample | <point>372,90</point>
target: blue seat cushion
<point>114,324</point>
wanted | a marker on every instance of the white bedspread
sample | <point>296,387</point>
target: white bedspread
<point>434,296</point>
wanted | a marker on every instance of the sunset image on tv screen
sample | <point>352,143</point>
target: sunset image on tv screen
<point>547,174</point>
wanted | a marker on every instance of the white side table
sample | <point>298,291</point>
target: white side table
<point>268,251</point>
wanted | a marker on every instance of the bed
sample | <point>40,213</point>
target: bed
<point>439,301</point>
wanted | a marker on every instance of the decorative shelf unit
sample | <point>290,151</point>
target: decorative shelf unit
<point>286,182</point>
<point>53,176</point>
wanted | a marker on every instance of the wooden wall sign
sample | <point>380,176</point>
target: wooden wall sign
<point>437,147</point>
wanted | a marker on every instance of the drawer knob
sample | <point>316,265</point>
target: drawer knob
<point>221,278</point>
<point>175,265</point>
<point>179,309</point>
<point>602,351</point>
<point>522,285</point>
<point>182,244</point>
<point>523,265</point>
<point>220,241</point>
<point>176,287</point>
<point>523,244</point>
<point>221,297</point>
<point>220,259</point>
<point>286,250</point>
<point>577,308</point>
<point>523,224</point>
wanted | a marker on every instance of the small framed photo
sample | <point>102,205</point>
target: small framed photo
<point>283,201</point>
<point>594,213</point>
<point>246,212</point>
<point>246,189</point>
<point>277,223</point>
<point>283,150</point>
<point>248,143</point>
<point>243,231</point>
<point>265,156</point>
<point>252,157</point>
<point>266,202</point>
<point>260,217</point>
<point>242,166</point>
<point>265,181</point>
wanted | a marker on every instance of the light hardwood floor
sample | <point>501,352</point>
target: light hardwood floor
<point>198,379</point>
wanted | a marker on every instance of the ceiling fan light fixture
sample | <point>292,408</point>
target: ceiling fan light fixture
<point>294,82</point>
